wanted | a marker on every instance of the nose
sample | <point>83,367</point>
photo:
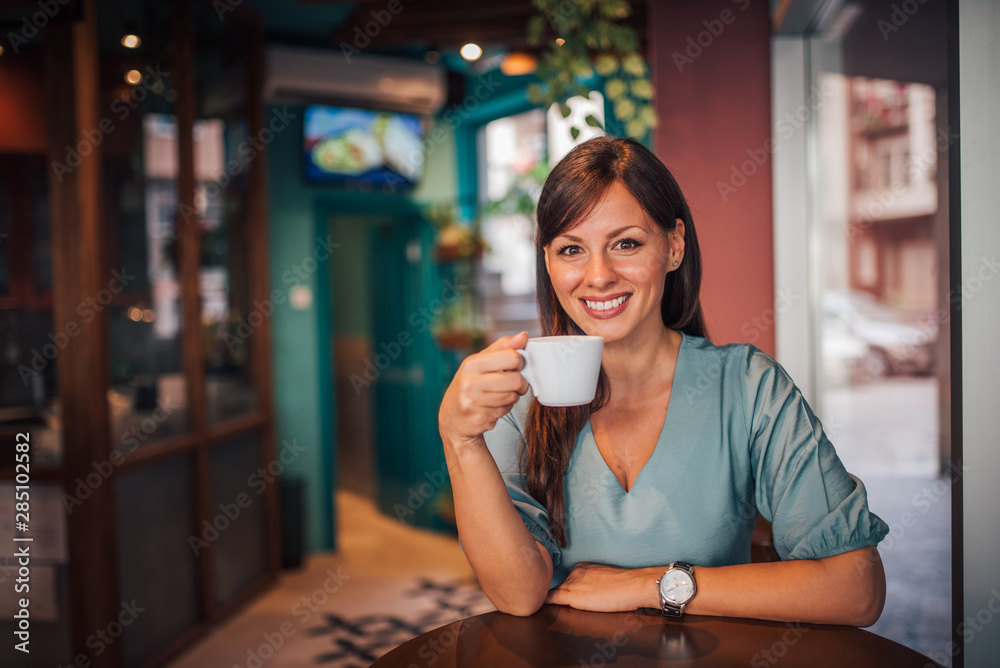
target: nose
<point>600,273</point>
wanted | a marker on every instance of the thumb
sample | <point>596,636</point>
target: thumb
<point>516,341</point>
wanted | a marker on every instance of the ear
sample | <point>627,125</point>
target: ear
<point>676,241</point>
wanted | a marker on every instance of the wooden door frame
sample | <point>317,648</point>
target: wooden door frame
<point>73,107</point>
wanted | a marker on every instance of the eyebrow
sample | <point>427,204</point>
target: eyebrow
<point>615,233</point>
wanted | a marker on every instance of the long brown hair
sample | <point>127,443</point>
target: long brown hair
<point>575,186</point>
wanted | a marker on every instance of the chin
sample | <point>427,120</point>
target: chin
<point>610,332</point>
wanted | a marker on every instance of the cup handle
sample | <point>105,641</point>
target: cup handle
<point>526,370</point>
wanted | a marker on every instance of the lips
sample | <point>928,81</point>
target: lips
<point>603,308</point>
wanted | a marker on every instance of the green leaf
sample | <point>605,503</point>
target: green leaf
<point>606,64</point>
<point>616,9</point>
<point>642,89</point>
<point>615,88</point>
<point>581,68</point>
<point>629,38</point>
<point>625,110</point>
<point>634,64</point>
<point>592,121</point>
<point>635,128</point>
<point>574,132</point>
<point>623,39</point>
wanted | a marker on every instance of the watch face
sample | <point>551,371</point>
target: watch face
<point>677,586</point>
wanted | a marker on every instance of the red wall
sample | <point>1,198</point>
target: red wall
<point>22,103</point>
<point>710,62</point>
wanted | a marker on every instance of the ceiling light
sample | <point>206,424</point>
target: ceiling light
<point>518,63</point>
<point>560,41</point>
<point>1,50</point>
<point>133,77</point>
<point>131,41</point>
<point>471,52</point>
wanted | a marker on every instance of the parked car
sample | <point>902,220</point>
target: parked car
<point>894,344</point>
<point>844,356</point>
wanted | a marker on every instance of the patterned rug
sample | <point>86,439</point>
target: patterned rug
<point>356,642</point>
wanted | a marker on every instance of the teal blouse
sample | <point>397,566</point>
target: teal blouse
<point>738,439</point>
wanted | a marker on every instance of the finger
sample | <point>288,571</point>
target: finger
<point>474,384</point>
<point>516,341</point>
<point>506,359</point>
<point>558,596</point>
<point>505,381</point>
<point>505,400</point>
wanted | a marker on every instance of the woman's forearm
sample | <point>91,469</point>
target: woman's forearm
<point>847,588</point>
<point>512,569</point>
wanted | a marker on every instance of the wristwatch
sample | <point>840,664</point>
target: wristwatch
<point>676,588</point>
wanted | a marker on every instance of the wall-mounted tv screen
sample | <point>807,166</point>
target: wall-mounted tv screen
<point>363,147</point>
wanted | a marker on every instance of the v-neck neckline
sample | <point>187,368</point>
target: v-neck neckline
<point>666,418</point>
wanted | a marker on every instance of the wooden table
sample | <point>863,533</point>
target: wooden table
<point>558,636</point>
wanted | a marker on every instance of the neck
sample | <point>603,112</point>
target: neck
<point>639,368</point>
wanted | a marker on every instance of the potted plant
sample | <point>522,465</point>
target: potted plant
<point>585,39</point>
<point>453,240</point>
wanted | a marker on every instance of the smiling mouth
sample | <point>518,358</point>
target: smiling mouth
<point>606,305</point>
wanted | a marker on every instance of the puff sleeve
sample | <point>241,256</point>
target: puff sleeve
<point>504,443</point>
<point>816,508</point>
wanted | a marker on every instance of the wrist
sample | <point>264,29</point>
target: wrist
<point>459,451</point>
<point>646,592</point>
<point>676,588</point>
<point>460,443</point>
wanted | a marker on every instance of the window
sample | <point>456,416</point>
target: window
<point>517,153</point>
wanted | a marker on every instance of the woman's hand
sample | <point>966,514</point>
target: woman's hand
<point>484,389</point>
<point>606,588</point>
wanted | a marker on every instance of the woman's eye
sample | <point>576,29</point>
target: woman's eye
<point>568,250</point>
<point>628,244</point>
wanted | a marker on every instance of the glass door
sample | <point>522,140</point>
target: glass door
<point>879,236</point>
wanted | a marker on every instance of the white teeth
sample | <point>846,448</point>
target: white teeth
<point>604,306</point>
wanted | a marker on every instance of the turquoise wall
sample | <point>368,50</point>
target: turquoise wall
<point>299,233</point>
<point>302,387</point>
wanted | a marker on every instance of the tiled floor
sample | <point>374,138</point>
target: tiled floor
<point>327,614</point>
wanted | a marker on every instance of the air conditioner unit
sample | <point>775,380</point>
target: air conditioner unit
<point>378,82</point>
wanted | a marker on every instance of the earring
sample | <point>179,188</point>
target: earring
<point>675,263</point>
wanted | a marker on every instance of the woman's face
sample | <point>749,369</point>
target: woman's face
<point>608,270</point>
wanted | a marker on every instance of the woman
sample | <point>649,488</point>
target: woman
<point>647,498</point>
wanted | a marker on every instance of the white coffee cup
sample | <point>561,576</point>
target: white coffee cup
<point>563,370</point>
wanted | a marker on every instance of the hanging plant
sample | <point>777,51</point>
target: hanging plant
<point>587,37</point>
<point>454,240</point>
